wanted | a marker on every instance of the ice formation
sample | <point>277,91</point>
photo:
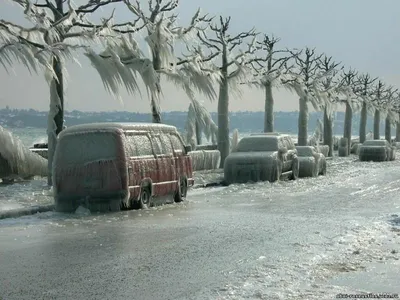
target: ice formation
<point>16,160</point>
<point>205,159</point>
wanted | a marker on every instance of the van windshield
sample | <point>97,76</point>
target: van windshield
<point>76,149</point>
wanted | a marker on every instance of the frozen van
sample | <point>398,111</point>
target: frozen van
<point>109,166</point>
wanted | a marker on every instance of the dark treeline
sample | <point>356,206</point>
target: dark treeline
<point>243,121</point>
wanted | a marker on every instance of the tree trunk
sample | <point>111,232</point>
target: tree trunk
<point>155,107</point>
<point>377,123</point>
<point>269,109</point>
<point>198,133</point>
<point>328,132</point>
<point>398,131</point>
<point>223,120</point>
<point>55,122</point>
<point>56,114</point>
<point>348,118</point>
<point>388,129</point>
<point>303,122</point>
<point>363,123</point>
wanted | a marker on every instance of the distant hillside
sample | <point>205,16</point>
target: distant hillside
<point>243,121</point>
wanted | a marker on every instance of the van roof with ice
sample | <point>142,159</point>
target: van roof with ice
<point>140,126</point>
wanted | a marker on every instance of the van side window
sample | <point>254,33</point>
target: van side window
<point>156,141</point>
<point>161,144</point>
<point>132,149</point>
<point>166,143</point>
<point>176,143</point>
<point>143,145</point>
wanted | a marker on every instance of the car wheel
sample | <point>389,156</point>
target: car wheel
<point>145,198</point>
<point>181,193</point>
<point>295,169</point>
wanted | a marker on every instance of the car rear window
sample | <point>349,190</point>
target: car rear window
<point>305,151</point>
<point>375,143</point>
<point>77,149</point>
<point>258,143</point>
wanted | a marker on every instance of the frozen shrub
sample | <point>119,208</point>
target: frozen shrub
<point>16,160</point>
<point>205,159</point>
<point>324,149</point>
<point>354,148</point>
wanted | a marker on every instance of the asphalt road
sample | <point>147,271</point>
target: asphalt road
<point>209,247</point>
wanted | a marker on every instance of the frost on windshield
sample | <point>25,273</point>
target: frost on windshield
<point>16,160</point>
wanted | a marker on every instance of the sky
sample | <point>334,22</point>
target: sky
<point>362,34</point>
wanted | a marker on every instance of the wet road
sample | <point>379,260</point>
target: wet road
<point>255,241</point>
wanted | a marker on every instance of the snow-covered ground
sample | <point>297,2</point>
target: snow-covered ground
<point>307,239</point>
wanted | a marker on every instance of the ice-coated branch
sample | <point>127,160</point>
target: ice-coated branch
<point>270,64</point>
<point>94,5</point>
<point>366,81</point>
<point>330,83</point>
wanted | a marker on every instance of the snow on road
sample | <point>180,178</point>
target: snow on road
<point>307,239</point>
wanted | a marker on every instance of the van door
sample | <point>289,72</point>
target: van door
<point>144,163</point>
<point>168,150</point>
<point>182,163</point>
<point>134,176</point>
<point>164,161</point>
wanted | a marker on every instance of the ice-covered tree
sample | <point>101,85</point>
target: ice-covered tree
<point>163,36</point>
<point>199,121</point>
<point>269,67</point>
<point>378,102</point>
<point>388,110</point>
<point>364,92</point>
<point>396,114</point>
<point>234,68</point>
<point>349,98</point>
<point>330,88</point>
<point>305,78</point>
<point>57,30</point>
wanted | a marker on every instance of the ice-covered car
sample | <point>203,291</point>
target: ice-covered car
<point>376,150</point>
<point>261,157</point>
<point>311,162</point>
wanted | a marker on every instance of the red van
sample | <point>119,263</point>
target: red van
<point>109,166</point>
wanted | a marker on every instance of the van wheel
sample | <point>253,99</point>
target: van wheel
<point>145,198</point>
<point>180,195</point>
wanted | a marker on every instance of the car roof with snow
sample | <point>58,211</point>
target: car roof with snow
<point>376,143</point>
<point>264,142</point>
<point>266,133</point>
<point>139,126</point>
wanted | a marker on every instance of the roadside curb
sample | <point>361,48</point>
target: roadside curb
<point>25,211</point>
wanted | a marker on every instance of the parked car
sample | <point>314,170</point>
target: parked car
<point>311,162</point>
<point>106,166</point>
<point>376,150</point>
<point>262,157</point>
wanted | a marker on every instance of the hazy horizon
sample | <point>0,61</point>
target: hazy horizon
<point>342,29</point>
